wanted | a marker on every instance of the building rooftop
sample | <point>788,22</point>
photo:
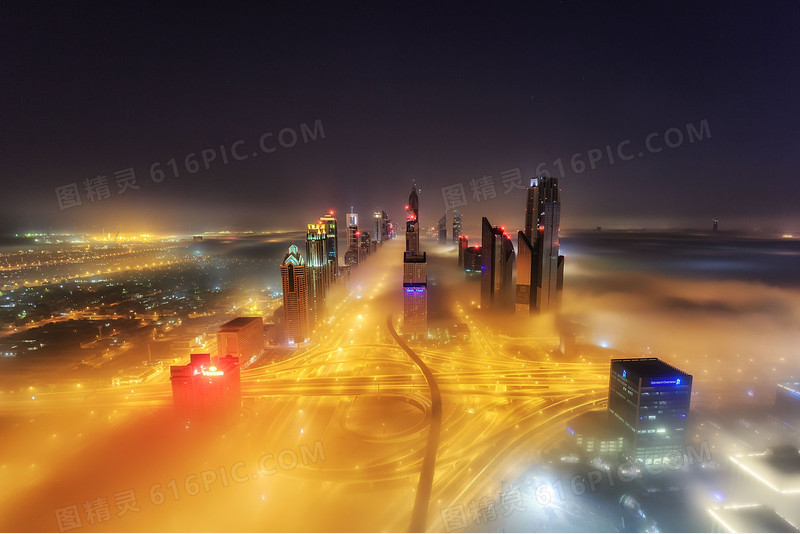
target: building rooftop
<point>598,424</point>
<point>239,322</point>
<point>778,468</point>
<point>648,367</point>
<point>791,387</point>
<point>751,518</point>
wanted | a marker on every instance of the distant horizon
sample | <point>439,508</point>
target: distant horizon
<point>766,232</point>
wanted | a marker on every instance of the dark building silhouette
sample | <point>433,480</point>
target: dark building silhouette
<point>497,260</point>
<point>463,244</point>
<point>472,259</point>
<point>442,228</point>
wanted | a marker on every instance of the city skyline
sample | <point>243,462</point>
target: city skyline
<point>400,268</point>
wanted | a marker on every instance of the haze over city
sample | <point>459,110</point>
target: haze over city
<point>400,268</point>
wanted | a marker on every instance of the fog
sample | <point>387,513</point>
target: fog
<point>330,436</point>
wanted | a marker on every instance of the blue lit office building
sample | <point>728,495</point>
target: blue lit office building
<point>651,398</point>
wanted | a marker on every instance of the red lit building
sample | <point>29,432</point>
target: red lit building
<point>206,386</point>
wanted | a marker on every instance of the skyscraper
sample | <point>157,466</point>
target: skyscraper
<point>295,296</point>
<point>442,228</point>
<point>651,398</point>
<point>332,238</point>
<point>472,259</point>
<point>379,225</point>
<point>364,245</point>
<point>456,225</point>
<point>319,272</point>
<point>463,244</point>
<point>497,260</point>
<point>540,268</point>
<point>415,278</point>
<point>386,227</point>
<point>353,234</point>
<point>412,222</point>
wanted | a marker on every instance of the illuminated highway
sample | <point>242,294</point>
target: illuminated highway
<point>355,390</point>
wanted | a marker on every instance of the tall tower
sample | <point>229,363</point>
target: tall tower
<point>540,268</point>
<point>295,295</point>
<point>353,237</point>
<point>332,240</point>
<point>377,228</point>
<point>497,260</point>
<point>415,277</point>
<point>456,225</point>
<point>386,227</point>
<point>532,210</point>
<point>412,222</point>
<point>463,245</point>
<point>442,228</point>
<point>319,272</point>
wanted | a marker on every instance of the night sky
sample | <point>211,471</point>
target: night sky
<point>440,95</point>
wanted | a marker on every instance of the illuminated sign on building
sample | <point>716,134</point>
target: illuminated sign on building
<point>671,382</point>
<point>212,371</point>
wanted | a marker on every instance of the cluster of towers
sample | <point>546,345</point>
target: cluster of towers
<point>307,279</point>
<point>539,266</point>
<point>360,244</point>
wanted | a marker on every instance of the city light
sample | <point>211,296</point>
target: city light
<point>574,308</point>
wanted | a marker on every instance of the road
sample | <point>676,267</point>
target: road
<point>354,389</point>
